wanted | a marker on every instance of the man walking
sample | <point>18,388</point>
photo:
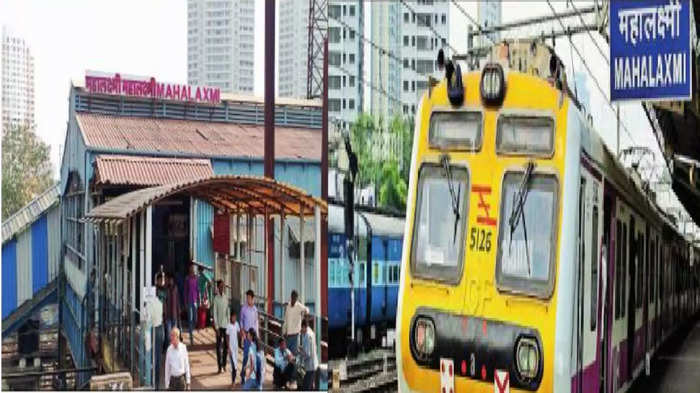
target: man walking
<point>155,310</point>
<point>293,314</point>
<point>221,320</point>
<point>191,299</point>
<point>177,364</point>
<point>308,355</point>
<point>172,305</point>
<point>249,320</point>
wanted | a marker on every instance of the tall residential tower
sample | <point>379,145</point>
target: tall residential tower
<point>293,47</point>
<point>17,81</point>
<point>220,44</point>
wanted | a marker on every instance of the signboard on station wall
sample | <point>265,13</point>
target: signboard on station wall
<point>135,86</point>
<point>650,52</point>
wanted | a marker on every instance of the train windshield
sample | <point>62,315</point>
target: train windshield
<point>525,249</point>
<point>438,232</point>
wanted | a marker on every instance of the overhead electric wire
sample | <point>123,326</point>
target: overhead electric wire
<point>380,49</point>
<point>430,26</point>
<point>368,84</point>
<point>471,18</point>
<point>602,52</point>
<point>590,72</point>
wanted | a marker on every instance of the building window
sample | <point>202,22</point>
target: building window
<point>352,58</point>
<point>405,17</point>
<point>413,41</point>
<point>334,34</point>
<point>334,58</point>
<point>343,103</point>
<point>405,85</point>
<point>334,11</point>
<point>351,104</point>
<point>73,212</point>
<point>345,34</point>
<point>345,10</point>
<point>352,10</point>
<point>352,34</point>
<point>334,105</point>
<point>345,57</point>
<point>444,19</point>
<point>405,40</point>
<point>405,63</point>
<point>424,67</point>
<point>413,85</point>
<point>352,81</point>
<point>334,82</point>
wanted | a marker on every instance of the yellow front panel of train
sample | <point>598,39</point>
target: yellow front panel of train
<point>466,299</point>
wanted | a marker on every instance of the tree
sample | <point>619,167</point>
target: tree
<point>392,190</point>
<point>26,168</point>
<point>402,129</point>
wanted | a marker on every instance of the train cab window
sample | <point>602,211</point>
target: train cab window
<point>527,235</point>
<point>440,223</point>
<point>455,130</point>
<point>528,135</point>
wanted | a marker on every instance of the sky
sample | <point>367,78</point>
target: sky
<point>150,38</point>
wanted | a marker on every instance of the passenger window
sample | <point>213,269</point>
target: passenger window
<point>594,269</point>
<point>438,232</point>
<point>526,248</point>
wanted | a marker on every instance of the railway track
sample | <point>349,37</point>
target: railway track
<point>371,372</point>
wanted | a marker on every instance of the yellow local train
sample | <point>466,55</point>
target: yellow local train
<point>532,260</point>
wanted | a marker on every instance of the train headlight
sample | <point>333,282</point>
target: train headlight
<point>493,84</point>
<point>424,338</point>
<point>527,358</point>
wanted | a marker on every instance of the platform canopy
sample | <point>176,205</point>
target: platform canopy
<point>259,195</point>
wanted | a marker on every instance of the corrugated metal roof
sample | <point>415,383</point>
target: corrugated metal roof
<point>30,212</point>
<point>230,193</point>
<point>148,171</point>
<point>198,138</point>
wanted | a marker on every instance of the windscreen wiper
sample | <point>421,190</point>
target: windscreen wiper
<point>517,213</point>
<point>455,198</point>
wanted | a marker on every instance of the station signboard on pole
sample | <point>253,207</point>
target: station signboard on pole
<point>650,52</point>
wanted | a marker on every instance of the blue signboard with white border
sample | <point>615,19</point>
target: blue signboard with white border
<point>650,55</point>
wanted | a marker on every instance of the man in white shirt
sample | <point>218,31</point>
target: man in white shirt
<point>293,314</point>
<point>308,355</point>
<point>177,364</point>
<point>155,312</point>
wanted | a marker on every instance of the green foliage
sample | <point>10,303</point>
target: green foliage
<point>26,168</point>
<point>392,191</point>
<point>389,175</point>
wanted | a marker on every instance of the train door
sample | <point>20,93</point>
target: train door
<point>606,266</point>
<point>588,304</point>
<point>631,299</point>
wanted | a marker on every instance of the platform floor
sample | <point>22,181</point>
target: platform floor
<point>676,366</point>
<point>203,364</point>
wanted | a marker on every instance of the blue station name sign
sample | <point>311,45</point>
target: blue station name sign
<point>650,57</point>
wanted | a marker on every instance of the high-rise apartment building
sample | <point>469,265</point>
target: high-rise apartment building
<point>17,81</point>
<point>293,47</point>
<point>221,44</point>
<point>488,15</point>
<point>385,70</point>
<point>424,30</point>
<point>345,61</point>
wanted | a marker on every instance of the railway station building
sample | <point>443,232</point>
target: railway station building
<point>156,177</point>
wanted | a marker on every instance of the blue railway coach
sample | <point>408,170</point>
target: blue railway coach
<point>380,281</point>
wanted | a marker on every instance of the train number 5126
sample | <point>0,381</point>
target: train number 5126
<point>480,240</point>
